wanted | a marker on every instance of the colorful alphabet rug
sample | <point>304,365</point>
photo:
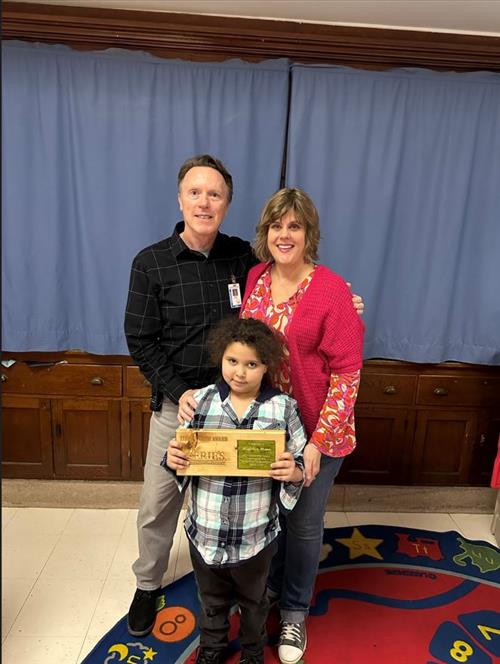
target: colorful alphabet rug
<point>384,595</point>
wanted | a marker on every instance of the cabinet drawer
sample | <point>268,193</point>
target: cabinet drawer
<point>65,379</point>
<point>458,391</point>
<point>387,388</point>
<point>135,384</point>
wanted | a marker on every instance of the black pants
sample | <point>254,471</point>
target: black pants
<point>220,587</point>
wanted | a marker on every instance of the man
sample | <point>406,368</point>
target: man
<point>179,288</point>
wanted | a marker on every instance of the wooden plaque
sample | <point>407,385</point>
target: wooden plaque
<point>241,452</point>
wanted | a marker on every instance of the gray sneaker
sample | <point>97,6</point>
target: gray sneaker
<point>292,643</point>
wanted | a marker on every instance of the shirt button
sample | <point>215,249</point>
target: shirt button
<point>223,544</point>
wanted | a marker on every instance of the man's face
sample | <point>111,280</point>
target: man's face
<point>203,199</point>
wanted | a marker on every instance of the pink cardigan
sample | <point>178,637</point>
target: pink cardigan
<point>325,336</point>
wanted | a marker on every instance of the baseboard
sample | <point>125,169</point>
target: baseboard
<point>344,498</point>
<point>71,493</point>
<point>456,499</point>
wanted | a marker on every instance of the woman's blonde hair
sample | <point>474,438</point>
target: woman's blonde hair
<point>306,214</point>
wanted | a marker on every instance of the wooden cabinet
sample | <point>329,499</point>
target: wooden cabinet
<point>381,455</point>
<point>455,426</point>
<point>140,416</point>
<point>386,388</point>
<point>62,420</point>
<point>73,415</point>
<point>86,438</point>
<point>485,446</point>
<point>27,437</point>
<point>382,452</point>
<point>138,392</point>
<point>425,425</point>
<point>383,419</point>
<point>63,378</point>
<point>458,390</point>
<point>442,447</point>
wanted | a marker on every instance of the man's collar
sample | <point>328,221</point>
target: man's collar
<point>266,391</point>
<point>179,246</point>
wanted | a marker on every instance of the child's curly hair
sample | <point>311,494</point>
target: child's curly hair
<point>246,331</point>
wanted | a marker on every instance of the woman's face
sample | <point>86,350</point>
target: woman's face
<point>286,240</point>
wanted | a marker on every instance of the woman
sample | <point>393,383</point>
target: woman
<point>311,308</point>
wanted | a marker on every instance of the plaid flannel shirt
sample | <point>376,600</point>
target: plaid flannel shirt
<point>176,295</point>
<point>231,519</point>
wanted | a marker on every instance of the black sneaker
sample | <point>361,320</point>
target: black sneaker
<point>209,656</point>
<point>292,643</point>
<point>142,613</point>
<point>252,657</point>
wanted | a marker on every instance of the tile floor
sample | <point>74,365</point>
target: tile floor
<point>67,578</point>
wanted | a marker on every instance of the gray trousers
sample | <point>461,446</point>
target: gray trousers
<point>160,504</point>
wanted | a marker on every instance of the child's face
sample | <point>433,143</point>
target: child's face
<point>242,370</point>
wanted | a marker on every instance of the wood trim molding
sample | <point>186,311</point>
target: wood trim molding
<point>200,37</point>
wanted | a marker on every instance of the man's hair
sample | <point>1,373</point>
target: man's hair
<point>210,162</point>
<point>246,331</point>
<point>283,201</point>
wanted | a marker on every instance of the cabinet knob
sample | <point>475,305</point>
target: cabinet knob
<point>390,389</point>
<point>97,381</point>
<point>441,391</point>
<point>4,378</point>
<point>146,382</point>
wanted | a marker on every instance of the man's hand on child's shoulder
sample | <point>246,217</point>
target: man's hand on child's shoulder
<point>187,406</point>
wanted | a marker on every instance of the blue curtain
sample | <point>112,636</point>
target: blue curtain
<point>404,167</point>
<point>92,143</point>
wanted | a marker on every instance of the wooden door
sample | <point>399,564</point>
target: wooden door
<point>443,447</point>
<point>485,448</point>
<point>27,438</point>
<point>86,436</point>
<point>381,456</point>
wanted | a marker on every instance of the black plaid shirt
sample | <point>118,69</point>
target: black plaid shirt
<point>175,296</point>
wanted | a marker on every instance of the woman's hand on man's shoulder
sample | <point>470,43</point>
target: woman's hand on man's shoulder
<point>357,301</point>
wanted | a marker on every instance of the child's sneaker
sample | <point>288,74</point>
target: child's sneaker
<point>292,643</point>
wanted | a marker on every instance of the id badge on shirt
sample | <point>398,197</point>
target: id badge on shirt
<point>234,295</point>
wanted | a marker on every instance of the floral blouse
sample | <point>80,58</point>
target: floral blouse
<point>334,434</point>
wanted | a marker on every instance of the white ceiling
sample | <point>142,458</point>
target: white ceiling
<point>469,16</point>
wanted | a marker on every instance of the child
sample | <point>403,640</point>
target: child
<point>232,522</point>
